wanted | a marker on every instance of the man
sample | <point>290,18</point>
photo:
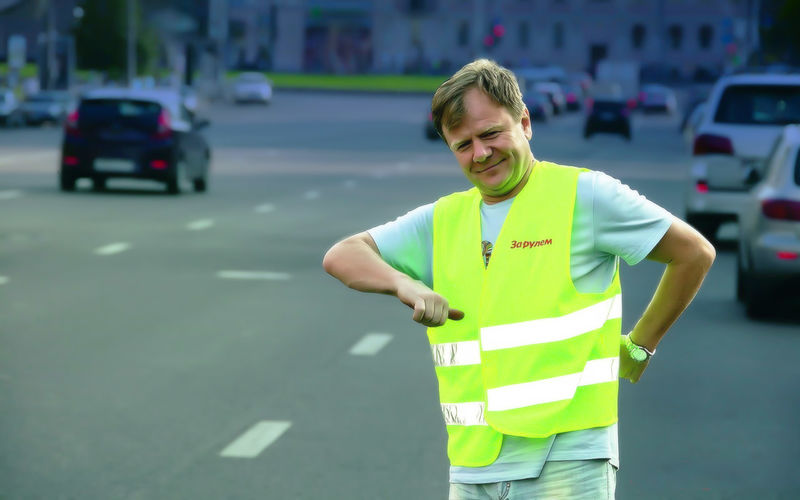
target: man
<point>528,363</point>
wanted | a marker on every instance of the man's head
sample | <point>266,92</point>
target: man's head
<point>480,115</point>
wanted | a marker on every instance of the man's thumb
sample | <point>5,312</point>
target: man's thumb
<point>455,314</point>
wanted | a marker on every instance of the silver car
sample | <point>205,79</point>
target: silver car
<point>252,87</point>
<point>769,230</point>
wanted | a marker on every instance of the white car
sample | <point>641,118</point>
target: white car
<point>10,114</point>
<point>252,87</point>
<point>769,230</point>
<point>743,116</point>
<point>657,98</point>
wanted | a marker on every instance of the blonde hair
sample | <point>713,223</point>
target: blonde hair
<point>497,82</point>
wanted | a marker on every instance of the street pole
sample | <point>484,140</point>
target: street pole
<point>131,52</point>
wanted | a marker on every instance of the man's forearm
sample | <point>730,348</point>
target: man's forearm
<point>355,261</point>
<point>678,286</point>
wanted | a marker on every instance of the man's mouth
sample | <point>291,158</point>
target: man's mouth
<point>491,166</point>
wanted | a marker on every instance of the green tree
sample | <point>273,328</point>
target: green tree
<point>101,38</point>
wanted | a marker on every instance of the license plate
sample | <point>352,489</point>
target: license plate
<point>608,117</point>
<point>114,165</point>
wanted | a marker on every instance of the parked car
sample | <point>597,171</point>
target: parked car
<point>744,115</point>
<point>654,98</point>
<point>573,96</point>
<point>252,86</point>
<point>769,230</point>
<point>608,115</point>
<point>46,107</point>
<point>10,114</point>
<point>539,105</point>
<point>689,129</point>
<point>553,91</point>
<point>134,133</point>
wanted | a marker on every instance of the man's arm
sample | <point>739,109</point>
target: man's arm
<point>356,262</point>
<point>688,257</point>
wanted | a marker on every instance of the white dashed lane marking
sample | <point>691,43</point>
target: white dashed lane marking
<point>254,275</point>
<point>112,249</point>
<point>200,225</point>
<point>311,195</point>
<point>4,280</point>
<point>10,194</point>
<point>265,208</point>
<point>370,344</point>
<point>256,439</point>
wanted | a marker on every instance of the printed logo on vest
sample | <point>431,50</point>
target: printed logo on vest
<point>531,244</point>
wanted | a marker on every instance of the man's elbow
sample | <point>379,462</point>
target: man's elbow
<point>330,259</point>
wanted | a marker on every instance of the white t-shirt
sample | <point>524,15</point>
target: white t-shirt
<point>610,221</point>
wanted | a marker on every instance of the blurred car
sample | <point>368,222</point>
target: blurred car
<point>689,129</point>
<point>10,114</point>
<point>134,133</point>
<point>252,86</point>
<point>657,98</point>
<point>744,115</point>
<point>608,115</point>
<point>573,96</point>
<point>46,107</point>
<point>553,91</point>
<point>430,130</point>
<point>539,105</point>
<point>769,230</point>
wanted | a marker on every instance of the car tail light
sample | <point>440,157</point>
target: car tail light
<point>787,255</point>
<point>164,131</point>
<point>701,186</point>
<point>71,124</point>
<point>631,103</point>
<point>571,97</point>
<point>71,161</point>
<point>158,164</point>
<point>706,144</point>
<point>781,209</point>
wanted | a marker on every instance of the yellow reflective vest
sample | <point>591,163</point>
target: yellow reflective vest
<point>533,356</point>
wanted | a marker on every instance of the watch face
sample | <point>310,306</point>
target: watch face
<point>638,354</point>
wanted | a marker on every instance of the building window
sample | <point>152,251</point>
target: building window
<point>637,36</point>
<point>463,34</point>
<point>675,37</point>
<point>558,36</point>
<point>704,36</point>
<point>524,35</point>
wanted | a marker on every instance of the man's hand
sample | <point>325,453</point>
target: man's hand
<point>629,368</point>
<point>430,308</point>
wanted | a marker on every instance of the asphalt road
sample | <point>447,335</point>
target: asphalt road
<point>191,347</point>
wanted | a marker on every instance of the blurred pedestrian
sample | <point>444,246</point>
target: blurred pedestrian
<point>529,354</point>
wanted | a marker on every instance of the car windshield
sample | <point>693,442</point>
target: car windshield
<point>103,112</point>
<point>759,105</point>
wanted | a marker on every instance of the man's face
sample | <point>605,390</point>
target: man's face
<point>491,147</point>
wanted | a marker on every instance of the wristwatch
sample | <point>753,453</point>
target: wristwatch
<point>637,352</point>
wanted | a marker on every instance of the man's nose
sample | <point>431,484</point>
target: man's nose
<point>480,152</point>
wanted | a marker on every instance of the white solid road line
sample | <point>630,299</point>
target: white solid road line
<point>4,280</point>
<point>370,344</point>
<point>265,208</point>
<point>10,194</point>
<point>256,439</point>
<point>199,225</point>
<point>112,249</point>
<point>254,275</point>
<point>311,195</point>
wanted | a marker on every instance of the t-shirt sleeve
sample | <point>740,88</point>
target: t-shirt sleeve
<point>625,222</point>
<point>406,243</point>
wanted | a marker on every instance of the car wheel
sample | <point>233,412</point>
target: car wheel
<point>200,184</point>
<point>756,297</point>
<point>66,182</point>
<point>174,182</point>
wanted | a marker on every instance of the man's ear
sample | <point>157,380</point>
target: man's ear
<point>525,121</point>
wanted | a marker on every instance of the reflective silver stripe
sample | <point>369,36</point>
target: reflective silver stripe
<point>541,331</point>
<point>463,413</point>
<point>510,397</point>
<point>457,353</point>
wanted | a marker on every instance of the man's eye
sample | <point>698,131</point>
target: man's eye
<point>462,147</point>
<point>493,133</point>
